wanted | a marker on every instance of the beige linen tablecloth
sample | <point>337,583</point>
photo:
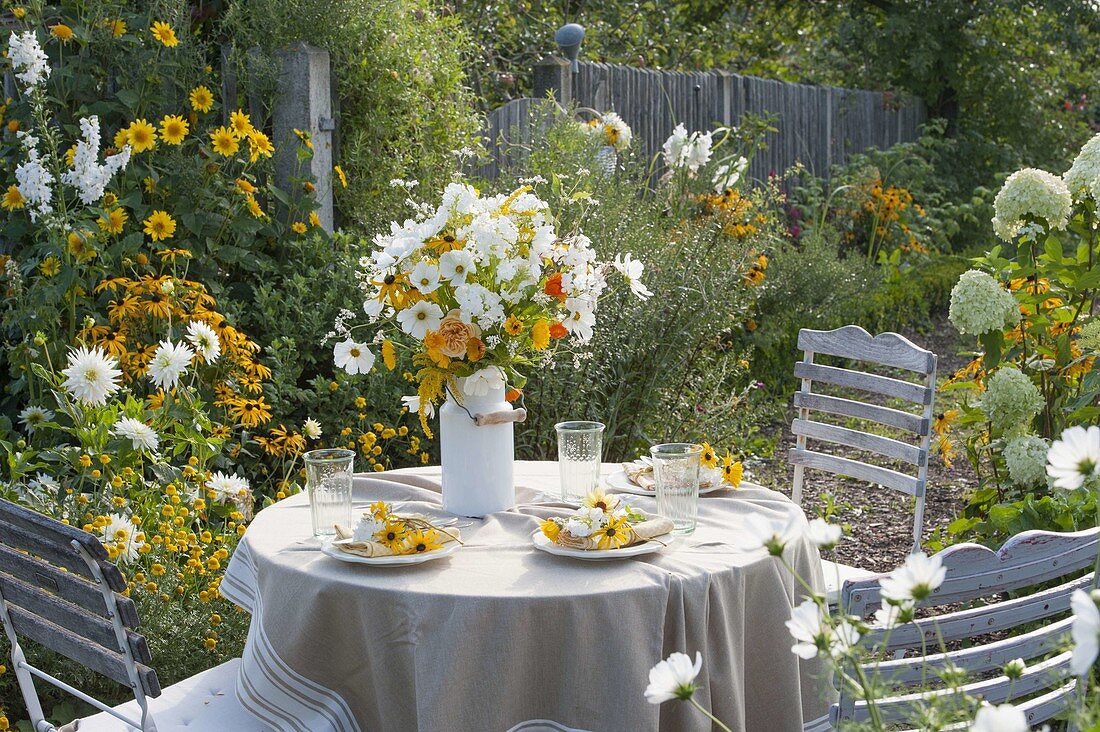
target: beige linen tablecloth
<point>500,632</point>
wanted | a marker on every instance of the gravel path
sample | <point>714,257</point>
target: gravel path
<point>880,519</point>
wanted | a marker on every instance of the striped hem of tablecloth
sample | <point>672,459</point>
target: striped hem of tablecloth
<point>266,686</point>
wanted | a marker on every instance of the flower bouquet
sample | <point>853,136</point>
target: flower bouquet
<point>383,533</point>
<point>475,290</point>
<point>604,522</point>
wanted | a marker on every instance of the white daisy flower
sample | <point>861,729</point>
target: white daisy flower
<point>227,487</point>
<point>420,318</point>
<point>91,376</point>
<point>312,429</point>
<point>413,405</point>
<point>205,341</point>
<point>455,266</point>
<point>355,358</point>
<point>120,534</point>
<point>169,363</point>
<point>1086,632</point>
<point>141,435</point>
<point>1074,457</point>
<point>631,270</point>
<point>673,678</point>
<point>33,416</point>
<point>915,580</point>
<point>424,277</point>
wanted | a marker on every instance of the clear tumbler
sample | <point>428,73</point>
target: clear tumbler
<point>580,447</point>
<point>328,482</point>
<point>676,472</point>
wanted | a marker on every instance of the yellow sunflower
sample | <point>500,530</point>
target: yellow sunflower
<point>50,266</point>
<point>254,207</point>
<point>201,99</point>
<point>164,33</point>
<point>392,535</point>
<point>259,145</point>
<point>298,227</point>
<point>550,529</point>
<point>173,129</point>
<point>13,199</point>
<point>241,123</point>
<point>340,174</point>
<point>731,470</point>
<point>314,219</point>
<point>79,246</point>
<point>115,220</point>
<point>423,541</point>
<point>141,136</point>
<point>615,535</point>
<point>225,141</point>
<point>61,32</point>
<point>160,226</point>
<point>708,457</point>
<point>245,187</point>
<point>117,26</point>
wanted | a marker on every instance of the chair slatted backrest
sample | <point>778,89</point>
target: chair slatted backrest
<point>1036,625</point>
<point>890,350</point>
<point>59,589</point>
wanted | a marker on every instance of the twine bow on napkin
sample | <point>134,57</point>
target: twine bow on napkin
<point>640,532</point>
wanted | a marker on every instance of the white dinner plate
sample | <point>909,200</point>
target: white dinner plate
<point>619,481</point>
<point>391,560</point>
<point>541,541</point>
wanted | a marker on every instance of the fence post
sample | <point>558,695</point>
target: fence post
<point>304,102</point>
<point>725,97</point>
<point>553,74</point>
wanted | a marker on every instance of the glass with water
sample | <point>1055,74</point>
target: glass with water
<point>580,450</point>
<point>328,483</point>
<point>676,473</point>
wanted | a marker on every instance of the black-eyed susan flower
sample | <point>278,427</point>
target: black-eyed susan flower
<point>141,136</point>
<point>550,529</point>
<point>392,535</point>
<point>419,542</point>
<point>708,458</point>
<point>201,99</point>
<point>732,470</point>
<point>13,199</point>
<point>614,535</point>
<point>164,33</point>
<point>173,129</point>
<point>160,226</point>
<point>225,141</point>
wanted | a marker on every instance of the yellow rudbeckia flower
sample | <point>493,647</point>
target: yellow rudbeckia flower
<point>173,129</point>
<point>225,141</point>
<point>201,99</point>
<point>114,222</point>
<point>164,33</point>
<point>13,199</point>
<point>160,226</point>
<point>141,136</point>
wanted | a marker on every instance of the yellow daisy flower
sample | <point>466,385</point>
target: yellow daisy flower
<point>122,139</point>
<point>61,32</point>
<point>201,99</point>
<point>392,535</point>
<point>225,141</point>
<point>164,33</point>
<point>241,123</point>
<point>13,199</point>
<point>141,136</point>
<point>259,145</point>
<point>389,355</point>
<point>314,219</point>
<point>19,12</point>
<point>298,227</point>
<point>245,186</point>
<point>70,155</point>
<point>50,266</point>
<point>173,129</point>
<point>513,325</point>
<point>340,174</point>
<point>423,541</point>
<point>708,458</point>
<point>160,226</point>
<point>117,26</point>
<point>550,529</point>
<point>254,207</point>
<point>614,535</point>
<point>114,222</point>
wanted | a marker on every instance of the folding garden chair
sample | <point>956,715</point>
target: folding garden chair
<point>58,589</point>
<point>891,350</point>
<point>1041,620</point>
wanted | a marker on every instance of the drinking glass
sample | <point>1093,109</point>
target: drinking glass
<point>328,482</point>
<point>580,447</point>
<point>676,471</point>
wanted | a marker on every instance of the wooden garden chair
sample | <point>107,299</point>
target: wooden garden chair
<point>912,430</point>
<point>58,589</point>
<point>1036,623</point>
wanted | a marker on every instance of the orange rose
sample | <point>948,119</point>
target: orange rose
<point>456,335</point>
<point>557,330</point>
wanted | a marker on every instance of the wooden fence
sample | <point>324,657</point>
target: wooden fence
<point>817,125</point>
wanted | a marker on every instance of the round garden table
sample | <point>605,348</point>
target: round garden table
<point>499,632</point>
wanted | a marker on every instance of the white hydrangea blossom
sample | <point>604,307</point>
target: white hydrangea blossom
<point>1083,177</point>
<point>1010,399</point>
<point>1026,458</point>
<point>979,304</point>
<point>87,175</point>
<point>1031,194</point>
<point>28,60</point>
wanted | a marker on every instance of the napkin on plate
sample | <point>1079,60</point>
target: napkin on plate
<point>377,549</point>
<point>639,532</point>
<point>640,474</point>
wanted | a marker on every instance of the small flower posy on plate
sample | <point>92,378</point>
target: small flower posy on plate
<point>381,532</point>
<point>604,522</point>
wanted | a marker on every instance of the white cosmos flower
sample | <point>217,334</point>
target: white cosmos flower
<point>311,428</point>
<point>227,487</point>
<point>141,435</point>
<point>581,319</point>
<point>823,534</point>
<point>1086,632</point>
<point>456,265</point>
<point>120,534</point>
<point>1074,457</point>
<point>631,270</point>
<point>420,318</point>
<point>205,341</point>
<point>169,363</point>
<point>914,580</point>
<point>890,616</point>
<point>33,416</point>
<point>808,629</point>
<point>480,383</point>
<point>760,532</point>
<point>843,639</point>
<point>1000,718</point>
<point>424,277</point>
<point>91,376</point>
<point>673,678</point>
<point>355,358</point>
<point>413,405</point>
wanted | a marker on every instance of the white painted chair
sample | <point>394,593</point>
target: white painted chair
<point>886,349</point>
<point>58,589</point>
<point>974,573</point>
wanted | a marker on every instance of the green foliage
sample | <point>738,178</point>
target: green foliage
<point>397,65</point>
